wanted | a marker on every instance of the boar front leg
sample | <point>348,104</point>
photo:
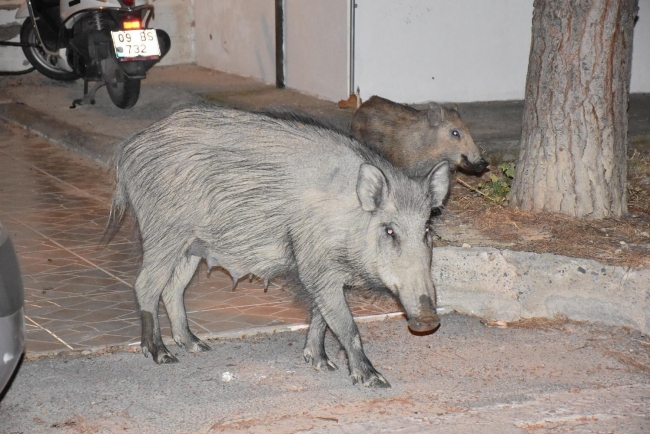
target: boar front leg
<point>173,297</point>
<point>334,309</point>
<point>314,351</point>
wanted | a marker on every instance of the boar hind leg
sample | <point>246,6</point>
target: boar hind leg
<point>334,309</point>
<point>314,351</point>
<point>148,286</point>
<point>173,295</point>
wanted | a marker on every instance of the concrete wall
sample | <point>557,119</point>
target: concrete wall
<point>239,37</point>
<point>176,17</point>
<point>422,50</point>
<point>317,45</point>
<point>236,36</point>
<point>469,50</point>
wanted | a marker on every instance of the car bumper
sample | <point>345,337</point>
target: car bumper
<point>12,344</point>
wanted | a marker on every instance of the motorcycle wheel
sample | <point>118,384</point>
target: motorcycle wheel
<point>44,63</point>
<point>124,94</point>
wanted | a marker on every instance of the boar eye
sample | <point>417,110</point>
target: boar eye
<point>455,133</point>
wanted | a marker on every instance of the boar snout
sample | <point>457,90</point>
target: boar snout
<point>424,324</point>
<point>475,166</point>
<point>427,320</point>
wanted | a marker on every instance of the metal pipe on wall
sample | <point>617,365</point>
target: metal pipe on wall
<point>279,44</point>
<point>353,6</point>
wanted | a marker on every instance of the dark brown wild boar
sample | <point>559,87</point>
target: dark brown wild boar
<point>416,140</point>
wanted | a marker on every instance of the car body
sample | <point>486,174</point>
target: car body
<point>12,317</point>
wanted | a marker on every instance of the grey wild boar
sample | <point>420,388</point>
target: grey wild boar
<point>274,196</point>
<point>416,140</point>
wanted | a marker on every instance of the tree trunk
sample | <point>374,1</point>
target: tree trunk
<point>574,137</point>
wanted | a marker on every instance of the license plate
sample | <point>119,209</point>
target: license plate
<point>136,44</point>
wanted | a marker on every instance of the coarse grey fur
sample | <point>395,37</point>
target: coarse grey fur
<point>275,196</point>
<point>416,140</point>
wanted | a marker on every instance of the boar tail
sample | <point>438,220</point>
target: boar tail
<point>119,205</point>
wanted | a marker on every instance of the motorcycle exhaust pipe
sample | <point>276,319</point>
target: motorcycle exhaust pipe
<point>17,44</point>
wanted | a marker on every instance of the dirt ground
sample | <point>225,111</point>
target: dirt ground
<point>468,377</point>
<point>624,241</point>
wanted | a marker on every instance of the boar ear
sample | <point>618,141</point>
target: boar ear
<point>372,187</point>
<point>435,114</point>
<point>438,182</point>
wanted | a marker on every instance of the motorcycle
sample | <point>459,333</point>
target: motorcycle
<point>102,41</point>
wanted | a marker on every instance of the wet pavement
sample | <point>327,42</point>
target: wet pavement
<point>78,292</point>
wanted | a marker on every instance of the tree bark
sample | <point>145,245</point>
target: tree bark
<point>574,137</point>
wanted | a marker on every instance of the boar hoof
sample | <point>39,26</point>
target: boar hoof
<point>198,347</point>
<point>160,355</point>
<point>321,363</point>
<point>325,365</point>
<point>374,379</point>
<point>165,359</point>
<point>377,382</point>
<point>191,343</point>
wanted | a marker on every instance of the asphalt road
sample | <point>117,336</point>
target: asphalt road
<point>467,377</point>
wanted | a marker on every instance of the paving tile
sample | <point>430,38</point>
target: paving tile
<point>64,314</point>
<point>35,346</point>
<point>39,341</point>
<point>127,296</point>
<point>41,310</point>
<point>210,317</point>
<point>104,315</point>
<point>129,328</point>
<point>97,305</point>
<point>106,340</point>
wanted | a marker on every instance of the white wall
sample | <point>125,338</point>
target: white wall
<point>422,50</point>
<point>317,45</point>
<point>239,37</point>
<point>465,50</point>
<point>176,17</point>
<point>236,36</point>
<point>641,50</point>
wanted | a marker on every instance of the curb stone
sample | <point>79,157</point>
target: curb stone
<point>507,285</point>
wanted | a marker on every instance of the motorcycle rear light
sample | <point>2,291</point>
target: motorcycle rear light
<point>128,2</point>
<point>132,25</point>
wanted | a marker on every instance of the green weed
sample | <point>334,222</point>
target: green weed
<point>497,188</point>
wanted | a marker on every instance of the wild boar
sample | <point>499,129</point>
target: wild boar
<point>275,196</point>
<point>416,140</point>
